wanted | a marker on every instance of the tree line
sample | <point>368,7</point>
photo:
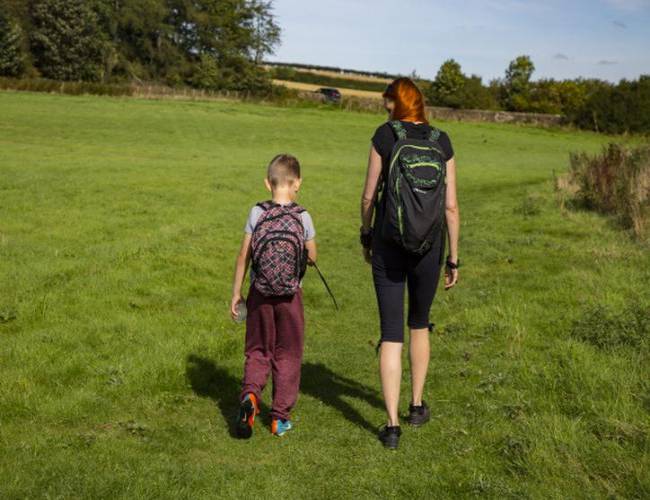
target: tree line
<point>220,44</point>
<point>587,103</point>
<point>212,44</point>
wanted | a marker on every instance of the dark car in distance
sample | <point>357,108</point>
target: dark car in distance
<point>330,94</point>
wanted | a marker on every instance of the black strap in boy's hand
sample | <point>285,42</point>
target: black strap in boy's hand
<point>326,285</point>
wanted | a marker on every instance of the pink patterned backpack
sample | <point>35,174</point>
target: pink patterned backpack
<point>279,256</point>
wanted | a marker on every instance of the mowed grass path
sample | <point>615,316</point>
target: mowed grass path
<point>120,369</point>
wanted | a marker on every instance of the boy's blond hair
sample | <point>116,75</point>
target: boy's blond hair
<point>283,170</point>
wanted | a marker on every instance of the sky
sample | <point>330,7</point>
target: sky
<point>607,39</point>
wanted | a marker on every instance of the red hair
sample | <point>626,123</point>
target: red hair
<point>409,101</point>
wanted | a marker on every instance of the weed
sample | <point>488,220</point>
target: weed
<point>607,328</point>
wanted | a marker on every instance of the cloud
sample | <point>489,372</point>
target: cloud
<point>561,56</point>
<point>517,5</point>
<point>606,62</point>
<point>619,24</point>
<point>629,5</point>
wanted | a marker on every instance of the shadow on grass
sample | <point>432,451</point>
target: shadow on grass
<point>209,380</point>
<point>318,381</point>
<point>321,383</point>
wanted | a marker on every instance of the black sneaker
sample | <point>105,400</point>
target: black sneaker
<point>418,415</point>
<point>247,411</point>
<point>389,436</point>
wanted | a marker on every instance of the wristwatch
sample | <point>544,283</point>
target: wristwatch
<point>365,237</point>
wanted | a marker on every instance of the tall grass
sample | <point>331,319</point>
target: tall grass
<point>616,181</point>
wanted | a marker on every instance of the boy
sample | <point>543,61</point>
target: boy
<point>279,242</point>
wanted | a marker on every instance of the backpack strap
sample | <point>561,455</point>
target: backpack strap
<point>399,129</point>
<point>265,205</point>
<point>434,134</point>
<point>296,209</point>
<point>293,208</point>
<point>269,204</point>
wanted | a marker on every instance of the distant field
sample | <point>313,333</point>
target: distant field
<point>328,79</point>
<point>120,369</point>
<point>335,72</point>
<point>348,76</point>
<point>309,87</point>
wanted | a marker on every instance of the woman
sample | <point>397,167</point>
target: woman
<point>393,267</point>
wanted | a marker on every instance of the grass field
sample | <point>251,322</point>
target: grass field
<point>119,366</point>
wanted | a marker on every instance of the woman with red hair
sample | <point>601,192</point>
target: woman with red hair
<point>393,266</point>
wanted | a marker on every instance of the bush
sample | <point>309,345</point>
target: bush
<point>615,182</point>
<point>72,88</point>
<point>615,109</point>
<point>284,73</point>
<point>206,74</point>
<point>274,93</point>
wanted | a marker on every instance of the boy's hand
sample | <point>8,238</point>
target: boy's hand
<point>236,299</point>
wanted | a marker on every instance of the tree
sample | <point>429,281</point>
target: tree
<point>573,94</point>
<point>66,41</point>
<point>446,87</point>
<point>545,96</point>
<point>451,88</point>
<point>11,54</point>
<point>475,95</point>
<point>624,107</point>
<point>212,43</point>
<point>145,38</point>
<point>517,83</point>
<point>266,35</point>
<point>207,74</point>
<point>232,32</point>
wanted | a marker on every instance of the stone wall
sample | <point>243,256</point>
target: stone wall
<point>450,114</point>
<point>476,115</point>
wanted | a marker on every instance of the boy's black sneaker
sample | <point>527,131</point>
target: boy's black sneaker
<point>389,436</point>
<point>248,409</point>
<point>418,415</point>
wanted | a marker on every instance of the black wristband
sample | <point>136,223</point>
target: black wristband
<point>365,238</point>
<point>452,265</point>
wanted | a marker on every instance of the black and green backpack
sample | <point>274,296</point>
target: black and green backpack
<point>413,194</point>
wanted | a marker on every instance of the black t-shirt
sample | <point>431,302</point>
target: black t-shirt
<point>384,140</point>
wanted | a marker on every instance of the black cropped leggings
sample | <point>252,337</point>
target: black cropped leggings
<point>392,269</point>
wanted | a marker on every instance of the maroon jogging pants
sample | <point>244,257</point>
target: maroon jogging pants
<point>275,329</point>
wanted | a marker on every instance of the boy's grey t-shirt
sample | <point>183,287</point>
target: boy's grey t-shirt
<point>254,215</point>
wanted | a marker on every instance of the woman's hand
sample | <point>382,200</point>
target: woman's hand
<point>453,226</point>
<point>235,301</point>
<point>451,277</point>
<point>367,255</point>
